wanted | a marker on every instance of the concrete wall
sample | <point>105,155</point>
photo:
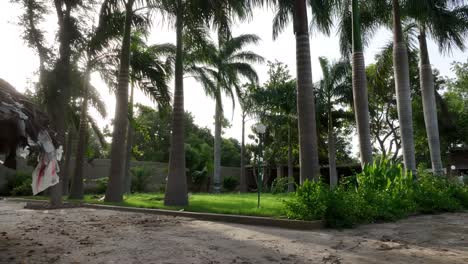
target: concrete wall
<point>99,168</point>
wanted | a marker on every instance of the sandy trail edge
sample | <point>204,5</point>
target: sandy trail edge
<point>83,235</point>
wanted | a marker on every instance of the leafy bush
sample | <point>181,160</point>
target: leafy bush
<point>101,185</point>
<point>199,177</point>
<point>435,194</point>
<point>20,184</point>
<point>230,183</point>
<point>141,177</point>
<point>383,191</point>
<point>310,201</point>
<point>279,185</point>
<point>347,208</point>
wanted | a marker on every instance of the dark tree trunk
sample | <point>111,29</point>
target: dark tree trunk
<point>308,148</point>
<point>331,150</point>
<point>76,191</point>
<point>243,179</point>
<point>127,183</point>
<point>291,183</point>
<point>67,163</point>
<point>217,148</point>
<point>61,94</point>
<point>176,188</point>
<point>117,167</point>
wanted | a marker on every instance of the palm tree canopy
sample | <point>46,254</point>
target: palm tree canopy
<point>445,20</point>
<point>322,18</point>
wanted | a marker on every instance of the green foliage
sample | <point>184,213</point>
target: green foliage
<point>198,177</point>
<point>310,201</point>
<point>101,185</point>
<point>437,194</point>
<point>382,192</point>
<point>20,184</point>
<point>347,208</point>
<point>230,183</point>
<point>141,177</point>
<point>279,185</point>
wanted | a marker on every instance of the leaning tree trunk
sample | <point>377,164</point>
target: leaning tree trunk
<point>360,96</point>
<point>117,166</point>
<point>331,150</point>
<point>243,180</point>
<point>403,93</point>
<point>429,105</point>
<point>309,162</point>
<point>291,182</point>
<point>176,187</point>
<point>76,191</point>
<point>217,148</point>
<point>127,183</point>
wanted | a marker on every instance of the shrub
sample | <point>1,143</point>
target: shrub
<point>347,208</point>
<point>101,185</point>
<point>383,191</point>
<point>20,184</point>
<point>230,183</point>
<point>435,194</point>
<point>279,185</point>
<point>310,201</point>
<point>141,177</point>
<point>199,177</point>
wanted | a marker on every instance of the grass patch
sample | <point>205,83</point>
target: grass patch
<point>232,203</point>
<point>238,204</point>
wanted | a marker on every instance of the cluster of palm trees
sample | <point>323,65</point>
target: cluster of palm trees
<point>220,66</point>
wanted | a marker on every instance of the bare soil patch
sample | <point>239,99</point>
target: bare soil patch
<point>83,235</point>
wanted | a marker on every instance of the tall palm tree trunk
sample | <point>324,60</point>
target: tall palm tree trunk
<point>117,166</point>
<point>67,164</point>
<point>331,150</point>
<point>176,187</point>
<point>127,183</point>
<point>429,104</point>
<point>403,93</point>
<point>58,110</point>
<point>360,95</point>
<point>217,148</point>
<point>290,161</point>
<point>76,191</point>
<point>309,162</point>
<point>243,180</point>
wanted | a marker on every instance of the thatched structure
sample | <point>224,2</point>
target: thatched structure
<point>21,124</point>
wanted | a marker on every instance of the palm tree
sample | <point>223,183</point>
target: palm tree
<point>227,63</point>
<point>402,87</point>
<point>321,17</point>
<point>108,29</point>
<point>334,89</point>
<point>447,26</point>
<point>247,105</point>
<point>355,29</point>
<point>150,73</point>
<point>114,192</point>
<point>190,17</point>
<point>361,101</point>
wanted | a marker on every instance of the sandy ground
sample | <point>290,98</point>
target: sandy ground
<point>81,235</point>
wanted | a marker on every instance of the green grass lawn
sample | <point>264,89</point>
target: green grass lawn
<point>232,203</point>
<point>240,204</point>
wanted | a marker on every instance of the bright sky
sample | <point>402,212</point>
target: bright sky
<point>18,63</point>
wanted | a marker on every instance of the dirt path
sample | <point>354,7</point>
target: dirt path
<point>89,236</point>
